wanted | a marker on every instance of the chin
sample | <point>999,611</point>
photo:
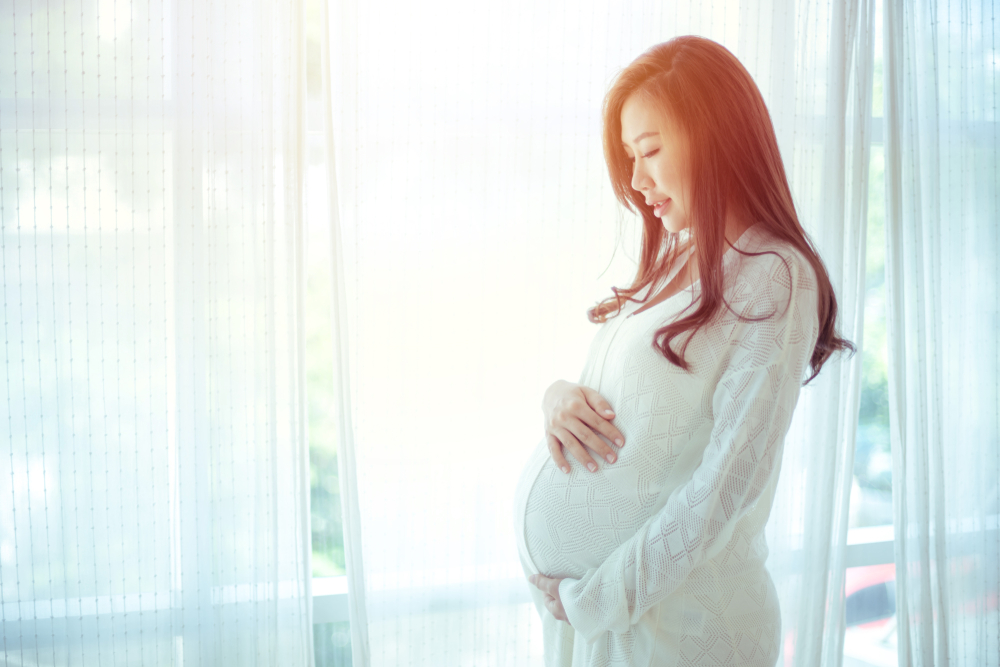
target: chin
<point>673,226</point>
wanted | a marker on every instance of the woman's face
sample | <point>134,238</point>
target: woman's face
<point>660,165</point>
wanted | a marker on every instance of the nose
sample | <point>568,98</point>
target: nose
<point>640,179</point>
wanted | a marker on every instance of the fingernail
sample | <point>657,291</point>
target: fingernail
<point>609,412</point>
<point>619,442</point>
<point>610,458</point>
<point>592,466</point>
<point>565,469</point>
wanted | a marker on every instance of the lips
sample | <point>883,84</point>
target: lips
<point>660,206</point>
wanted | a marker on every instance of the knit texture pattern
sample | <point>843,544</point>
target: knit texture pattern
<point>662,553</point>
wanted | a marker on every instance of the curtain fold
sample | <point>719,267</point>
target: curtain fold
<point>346,444</point>
<point>942,147</point>
<point>477,226</point>
<point>809,524</point>
<point>154,507</point>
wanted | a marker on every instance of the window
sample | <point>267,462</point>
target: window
<point>331,626</point>
<point>870,640</point>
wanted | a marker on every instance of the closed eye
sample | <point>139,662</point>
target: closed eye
<point>645,155</point>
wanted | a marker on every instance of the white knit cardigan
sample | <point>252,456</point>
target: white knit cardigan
<point>663,552</point>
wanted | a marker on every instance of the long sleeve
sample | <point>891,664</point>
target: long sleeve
<point>762,365</point>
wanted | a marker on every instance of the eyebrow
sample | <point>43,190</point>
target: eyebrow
<point>643,136</point>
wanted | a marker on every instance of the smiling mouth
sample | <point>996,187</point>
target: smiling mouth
<point>658,207</point>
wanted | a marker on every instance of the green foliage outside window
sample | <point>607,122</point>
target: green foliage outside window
<point>873,459</point>
<point>327,525</point>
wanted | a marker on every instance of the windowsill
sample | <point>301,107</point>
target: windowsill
<point>870,534</point>
<point>872,545</point>
<point>330,600</point>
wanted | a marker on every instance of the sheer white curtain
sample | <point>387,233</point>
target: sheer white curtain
<point>824,126</point>
<point>476,227</point>
<point>153,461</point>
<point>942,81</point>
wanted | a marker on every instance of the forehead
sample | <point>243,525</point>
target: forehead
<point>640,116</point>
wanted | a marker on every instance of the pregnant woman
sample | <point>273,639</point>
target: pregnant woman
<point>646,545</point>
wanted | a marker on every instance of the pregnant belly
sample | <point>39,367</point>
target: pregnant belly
<point>572,523</point>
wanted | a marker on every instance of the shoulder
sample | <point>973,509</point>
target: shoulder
<point>767,277</point>
<point>771,314</point>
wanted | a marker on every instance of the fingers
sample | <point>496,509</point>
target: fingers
<point>608,430</point>
<point>578,433</point>
<point>577,450</point>
<point>550,589</point>
<point>594,442</point>
<point>545,584</point>
<point>556,450</point>
<point>597,402</point>
<point>603,410</point>
<point>580,423</point>
<point>555,608</point>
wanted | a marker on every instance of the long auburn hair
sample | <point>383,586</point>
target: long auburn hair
<point>735,167</point>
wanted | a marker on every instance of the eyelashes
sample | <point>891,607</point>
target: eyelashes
<point>645,155</point>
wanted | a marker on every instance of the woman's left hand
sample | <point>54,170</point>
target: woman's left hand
<point>550,589</point>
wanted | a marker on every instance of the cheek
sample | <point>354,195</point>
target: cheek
<point>672,181</point>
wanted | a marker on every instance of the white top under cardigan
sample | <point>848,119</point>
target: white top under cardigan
<point>663,551</point>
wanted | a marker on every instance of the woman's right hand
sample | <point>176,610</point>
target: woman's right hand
<point>574,415</point>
